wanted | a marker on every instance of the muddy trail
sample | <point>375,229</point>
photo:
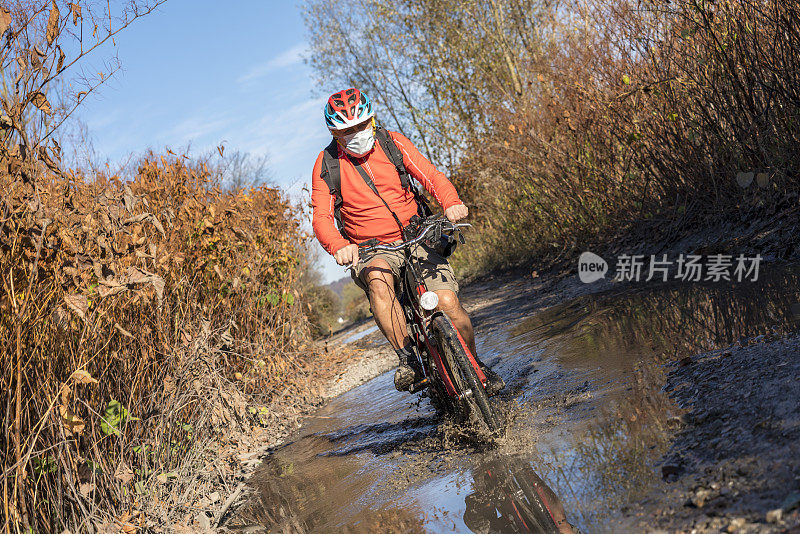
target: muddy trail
<point>630,407</point>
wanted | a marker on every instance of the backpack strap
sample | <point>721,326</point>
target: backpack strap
<point>332,175</point>
<point>396,156</point>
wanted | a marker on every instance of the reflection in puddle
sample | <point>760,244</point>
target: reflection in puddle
<point>589,421</point>
<point>317,496</point>
<point>617,330</point>
<point>508,496</point>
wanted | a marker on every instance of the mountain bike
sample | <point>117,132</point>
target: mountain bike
<point>451,376</point>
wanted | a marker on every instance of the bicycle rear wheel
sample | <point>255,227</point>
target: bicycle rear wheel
<point>452,349</point>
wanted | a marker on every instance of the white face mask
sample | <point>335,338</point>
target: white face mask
<point>359,143</point>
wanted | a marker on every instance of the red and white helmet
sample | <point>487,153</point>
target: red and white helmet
<point>348,108</point>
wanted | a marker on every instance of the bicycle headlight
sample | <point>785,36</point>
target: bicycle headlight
<point>429,300</point>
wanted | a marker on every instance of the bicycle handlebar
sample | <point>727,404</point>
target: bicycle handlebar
<point>427,226</point>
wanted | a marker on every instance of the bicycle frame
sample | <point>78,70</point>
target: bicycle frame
<point>411,288</point>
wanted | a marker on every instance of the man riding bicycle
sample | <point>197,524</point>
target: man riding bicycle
<point>362,186</point>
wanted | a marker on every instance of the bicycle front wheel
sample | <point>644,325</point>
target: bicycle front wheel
<point>465,378</point>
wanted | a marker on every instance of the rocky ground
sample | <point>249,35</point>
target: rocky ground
<point>734,466</point>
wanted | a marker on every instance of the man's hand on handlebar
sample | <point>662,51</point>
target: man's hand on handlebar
<point>456,213</point>
<point>347,255</point>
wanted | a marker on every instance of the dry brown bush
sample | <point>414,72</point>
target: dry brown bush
<point>646,116</point>
<point>138,316</point>
<point>564,123</point>
<point>152,293</point>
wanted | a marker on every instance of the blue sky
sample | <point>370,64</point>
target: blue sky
<point>202,73</point>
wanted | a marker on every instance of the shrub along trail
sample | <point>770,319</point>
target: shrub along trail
<point>149,328</point>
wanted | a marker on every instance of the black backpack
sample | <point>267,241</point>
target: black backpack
<point>331,173</point>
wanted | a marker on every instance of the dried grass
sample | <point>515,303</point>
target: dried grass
<point>648,115</point>
<point>164,294</point>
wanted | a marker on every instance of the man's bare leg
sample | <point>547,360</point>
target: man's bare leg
<point>390,319</point>
<point>451,306</point>
<point>385,306</point>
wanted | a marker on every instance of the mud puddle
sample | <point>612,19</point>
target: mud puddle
<point>587,421</point>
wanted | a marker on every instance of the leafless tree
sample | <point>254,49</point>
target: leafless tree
<point>237,169</point>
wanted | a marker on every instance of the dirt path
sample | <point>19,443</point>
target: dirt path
<point>729,463</point>
<point>734,463</point>
<point>371,356</point>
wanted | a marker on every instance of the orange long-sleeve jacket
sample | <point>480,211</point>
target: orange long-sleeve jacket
<point>363,214</point>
